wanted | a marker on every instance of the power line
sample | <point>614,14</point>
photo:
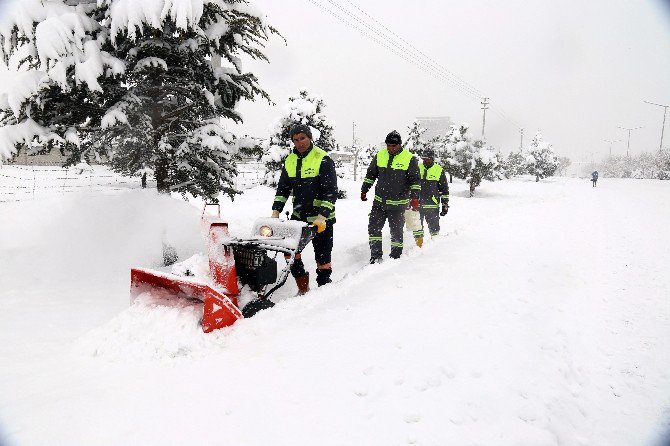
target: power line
<point>396,51</point>
<point>428,58</point>
<point>432,68</point>
<point>445,74</point>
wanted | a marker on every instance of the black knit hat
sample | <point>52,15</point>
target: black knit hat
<point>300,128</point>
<point>393,138</point>
<point>427,153</point>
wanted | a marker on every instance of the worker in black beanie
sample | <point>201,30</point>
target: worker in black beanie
<point>309,176</point>
<point>393,138</point>
<point>300,128</point>
<point>396,172</point>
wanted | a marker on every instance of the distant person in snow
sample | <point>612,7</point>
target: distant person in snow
<point>309,173</point>
<point>434,193</point>
<point>594,177</point>
<point>397,174</point>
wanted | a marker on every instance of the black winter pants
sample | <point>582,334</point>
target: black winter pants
<point>378,216</point>
<point>323,247</point>
<point>432,217</point>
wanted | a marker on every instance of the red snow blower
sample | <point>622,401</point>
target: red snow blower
<point>233,264</point>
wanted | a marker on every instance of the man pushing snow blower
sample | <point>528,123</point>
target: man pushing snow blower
<point>236,263</point>
<point>309,174</point>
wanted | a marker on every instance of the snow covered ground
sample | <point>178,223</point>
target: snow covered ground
<point>540,317</point>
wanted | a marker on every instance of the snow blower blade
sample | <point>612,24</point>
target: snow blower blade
<point>218,295</point>
<point>233,262</point>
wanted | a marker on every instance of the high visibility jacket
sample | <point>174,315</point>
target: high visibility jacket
<point>397,178</point>
<point>434,186</point>
<point>312,180</point>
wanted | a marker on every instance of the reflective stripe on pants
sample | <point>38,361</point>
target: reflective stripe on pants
<point>432,217</point>
<point>378,216</point>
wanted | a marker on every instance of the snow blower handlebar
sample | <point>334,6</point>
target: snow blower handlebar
<point>307,237</point>
<point>254,267</point>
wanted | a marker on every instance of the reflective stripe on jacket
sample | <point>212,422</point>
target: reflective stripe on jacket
<point>434,186</point>
<point>397,178</point>
<point>312,181</point>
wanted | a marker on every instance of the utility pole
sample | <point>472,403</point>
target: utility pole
<point>485,103</point>
<point>611,141</point>
<point>629,130</point>
<point>665,111</point>
<point>521,145</point>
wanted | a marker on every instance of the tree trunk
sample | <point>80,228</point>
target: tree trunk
<point>537,178</point>
<point>475,181</point>
<point>161,166</point>
<point>161,175</point>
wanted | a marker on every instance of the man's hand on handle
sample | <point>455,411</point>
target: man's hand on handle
<point>320,223</point>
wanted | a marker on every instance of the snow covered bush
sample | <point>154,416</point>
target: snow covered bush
<point>250,147</point>
<point>415,142</point>
<point>470,159</point>
<point>563,163</point>
<point>304,109</point>
<point>446,145</point>
<point>134,84</point>
<point>542,161</point>
<point>516,164</point>
<point>655,165</point>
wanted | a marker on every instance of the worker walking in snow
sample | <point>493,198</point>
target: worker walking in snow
<point>309,173</point>
<point>594,177</point>
<point>396,172</point>
<point>434,192</point>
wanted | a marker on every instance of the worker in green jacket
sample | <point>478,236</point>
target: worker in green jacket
<point>309,174</point>
<point>396,172</point>
<point>434,194</point>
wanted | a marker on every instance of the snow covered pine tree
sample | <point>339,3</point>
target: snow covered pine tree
<point>471,159</point>
<point>305,109</point>
<point>542,161</point>
<point>414,141</point>
<point>134,84</point>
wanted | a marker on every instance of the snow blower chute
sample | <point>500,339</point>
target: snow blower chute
<point>233,263</point>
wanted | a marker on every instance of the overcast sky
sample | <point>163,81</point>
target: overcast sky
<point>573,69</point>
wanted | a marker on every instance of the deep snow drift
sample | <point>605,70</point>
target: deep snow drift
<point>540,317</point>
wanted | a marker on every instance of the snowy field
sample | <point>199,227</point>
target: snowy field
<point>539,318</point>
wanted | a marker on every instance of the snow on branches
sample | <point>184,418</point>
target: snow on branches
<point>414,141</point>
<point>541,160</point>
<point>143,84</point>
<point>304,109</point>
<point>469,159</point>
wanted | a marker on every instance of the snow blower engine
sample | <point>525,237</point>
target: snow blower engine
<point>233,264</point>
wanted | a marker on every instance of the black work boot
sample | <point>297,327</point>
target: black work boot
<point>395,252</point>
<point>374,260</point>
<point>323,276</point>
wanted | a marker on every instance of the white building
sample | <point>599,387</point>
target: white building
<point>436,125</point>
